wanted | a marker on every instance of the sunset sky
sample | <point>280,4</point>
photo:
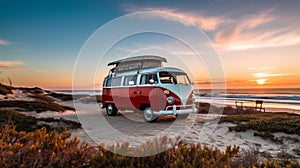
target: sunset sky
<point>258,42</point>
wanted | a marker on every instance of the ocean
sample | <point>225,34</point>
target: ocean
<point>280,98</point>
<point>287,98</point>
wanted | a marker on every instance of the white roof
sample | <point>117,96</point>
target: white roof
<point>159,69</point>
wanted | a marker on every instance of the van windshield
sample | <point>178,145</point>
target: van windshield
<point>173,78</point>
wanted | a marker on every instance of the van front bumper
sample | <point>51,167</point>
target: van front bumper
<point>172,110</point>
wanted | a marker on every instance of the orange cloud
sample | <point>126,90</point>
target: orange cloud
<point>251,31</point>
<point>17,65</point>
<point>187,18</point>
<point>11,65</point>
<point>255,31</point>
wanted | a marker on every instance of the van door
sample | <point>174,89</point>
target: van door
<point>130,99</point>
<point>149,93</point>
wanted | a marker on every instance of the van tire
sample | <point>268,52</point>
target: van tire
<point>111,110</point>
<point>149,116</point>
<point>182,116</point>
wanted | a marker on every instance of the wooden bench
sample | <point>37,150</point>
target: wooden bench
<point>258,106</point>
<point>239,106</point>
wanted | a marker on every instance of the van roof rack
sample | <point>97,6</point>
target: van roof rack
<point>138,58</point>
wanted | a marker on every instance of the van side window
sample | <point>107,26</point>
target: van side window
<point>130,80</point>
<point>104,82</point>
<point>108,81</point>
<point>146,79</point>
<point>116,81</point>
<point>167,78</point>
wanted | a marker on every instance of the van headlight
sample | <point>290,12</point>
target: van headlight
<point>171,100</point>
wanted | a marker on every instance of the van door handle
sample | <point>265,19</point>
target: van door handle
<point>137,92</point>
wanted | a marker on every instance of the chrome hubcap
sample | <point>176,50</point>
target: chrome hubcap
<point>148,114</point>
<point>109,109</point>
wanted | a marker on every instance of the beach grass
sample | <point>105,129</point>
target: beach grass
<point>267,122</point>
<point>38,106</point>
<point>70,97</point>
<point>5,90</point>
<point>42,97</point>
<point>30,123</point>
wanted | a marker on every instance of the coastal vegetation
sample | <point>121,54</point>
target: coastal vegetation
<point>27,123</point>
<point>38,106</point>
<point>69,97</point>
<point>52,149</point>
<point>4,90</point>
<point>265,122</point>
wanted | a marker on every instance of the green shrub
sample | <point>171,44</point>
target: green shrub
<point>269,136</point>
<point>29,123</point>
<point>37,106</point>
<point>22,122</point>
<point>41,149</point>
<point>265,122</point>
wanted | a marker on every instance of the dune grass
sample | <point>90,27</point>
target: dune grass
<point>69,97</point>
<point>5,90</point>
<point>266,122</point>
<point>42,97</point>
<point>30,123</point>
<point>38,106</point>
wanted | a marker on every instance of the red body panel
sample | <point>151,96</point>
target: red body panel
<point>134,97</point>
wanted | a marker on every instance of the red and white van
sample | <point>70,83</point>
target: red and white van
<point>142,84</point>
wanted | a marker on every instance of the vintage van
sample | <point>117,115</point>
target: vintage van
<point>142,84</point>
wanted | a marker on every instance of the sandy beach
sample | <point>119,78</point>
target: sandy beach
<point>197,128</point>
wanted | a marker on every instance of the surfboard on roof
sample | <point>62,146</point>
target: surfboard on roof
<point>136,63</point>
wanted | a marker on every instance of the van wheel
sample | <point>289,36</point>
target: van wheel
<point>149,116</point>
<point>111,110</point>
<point>182,116</point>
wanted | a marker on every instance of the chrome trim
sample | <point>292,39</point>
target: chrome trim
<point>173,110</point>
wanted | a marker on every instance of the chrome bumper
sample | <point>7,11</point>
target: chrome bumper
<point>171,110</point>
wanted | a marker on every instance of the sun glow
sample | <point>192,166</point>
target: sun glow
<point>261,81</point>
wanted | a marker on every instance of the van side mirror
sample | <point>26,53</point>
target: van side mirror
<point>151,81</point>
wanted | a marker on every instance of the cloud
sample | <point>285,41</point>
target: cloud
<point>268,74</point>
<point>187,18</point>
<point>256,31</point>
<point>17,65</point>
<point>4,42</point>
<point>11,65</point>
